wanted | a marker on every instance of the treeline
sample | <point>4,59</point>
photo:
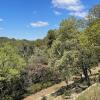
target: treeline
<point>29,66</point>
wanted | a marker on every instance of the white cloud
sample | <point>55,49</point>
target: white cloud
<point>39,24</point>
<point>64,3</point>
<point>57,13</point>
<point>74,6</point>
<point>1,19</point>
<point>79,14</point>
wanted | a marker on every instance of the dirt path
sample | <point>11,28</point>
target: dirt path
<point>47,91</point>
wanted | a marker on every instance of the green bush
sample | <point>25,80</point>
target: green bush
<point>11,65</point>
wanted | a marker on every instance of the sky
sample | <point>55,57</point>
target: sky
<point>31,19</point>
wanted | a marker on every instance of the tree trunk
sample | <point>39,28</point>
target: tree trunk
<point>85,72</point>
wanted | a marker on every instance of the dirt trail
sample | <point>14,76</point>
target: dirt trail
<point>47,91</point>
<point>53,88</point>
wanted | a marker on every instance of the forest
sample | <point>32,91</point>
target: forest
<point>71,50</point>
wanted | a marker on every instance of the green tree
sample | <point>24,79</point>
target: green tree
<point>89,47</point>
<point>63,53</point>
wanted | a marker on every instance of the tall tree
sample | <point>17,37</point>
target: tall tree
<point>63,51</point>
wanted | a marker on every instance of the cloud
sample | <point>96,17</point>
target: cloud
<point>65,4</point>
<point>1,19</point>
<point>79,14</point>
<point>57,13</point>
<point>39,24</point>
<point>75,7</point>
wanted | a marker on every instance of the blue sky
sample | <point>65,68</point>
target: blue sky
<point>31,19</point>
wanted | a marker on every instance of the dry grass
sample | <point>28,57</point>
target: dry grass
<point>92,93</point>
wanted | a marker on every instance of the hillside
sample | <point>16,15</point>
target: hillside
<point>59,66</point>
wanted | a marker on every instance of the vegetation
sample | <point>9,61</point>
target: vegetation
<point>29,66</point>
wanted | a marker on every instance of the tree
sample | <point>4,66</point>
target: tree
<point>89,48</point>
<point>63,51</point>
<point>93,34</point>
<point>51,36</point>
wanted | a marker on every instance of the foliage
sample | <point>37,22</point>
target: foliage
<point>11,64</point>
<point>64,53</point>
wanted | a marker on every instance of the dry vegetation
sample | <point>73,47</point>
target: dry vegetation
<point>92,93</point>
